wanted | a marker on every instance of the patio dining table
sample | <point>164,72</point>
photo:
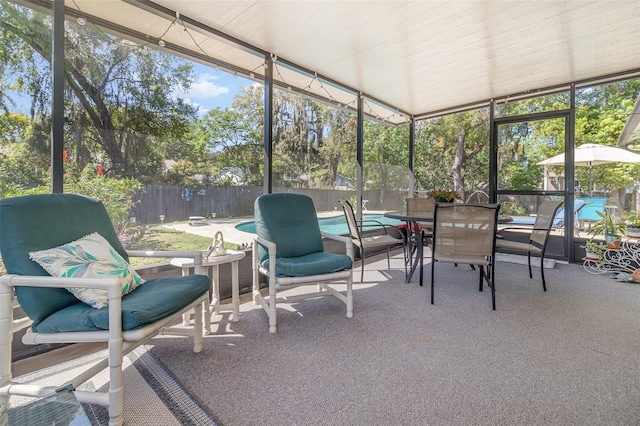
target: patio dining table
<point>413,219</point>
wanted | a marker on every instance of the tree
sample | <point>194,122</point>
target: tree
<point>459,140</point>
<point>601,114</point>
<point>227,139</point>
<point>386,151</point>
<point>338,150</point>
<point>120,101</point>
<point>22,160</point>
<point>312,142</point>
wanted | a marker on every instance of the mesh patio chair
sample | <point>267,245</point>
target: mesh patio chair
<point>466,234</point>
<point>289,251</point>
<point>72,238</point>
<point>538,237</point>
<point>391,236</point>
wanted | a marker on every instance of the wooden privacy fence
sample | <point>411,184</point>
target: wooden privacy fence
<point>177,203</point>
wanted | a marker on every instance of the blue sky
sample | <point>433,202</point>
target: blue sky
<point>213,88</point>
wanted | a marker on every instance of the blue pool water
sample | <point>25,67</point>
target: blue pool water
<point>331,225</point>
<point>521,220</point>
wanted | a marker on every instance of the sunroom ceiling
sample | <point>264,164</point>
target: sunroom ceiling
<point>417,57</point>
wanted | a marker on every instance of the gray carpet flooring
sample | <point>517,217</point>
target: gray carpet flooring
<point>570,356</point>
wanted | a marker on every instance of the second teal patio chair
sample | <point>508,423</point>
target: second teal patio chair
<point>289,251</point>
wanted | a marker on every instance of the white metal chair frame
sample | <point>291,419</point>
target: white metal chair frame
<point>283,283</point>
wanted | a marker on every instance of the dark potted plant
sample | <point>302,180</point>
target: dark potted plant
<point>611,228</point>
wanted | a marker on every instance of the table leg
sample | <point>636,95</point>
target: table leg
<point>421,253</point>
<point>216,289</point>
<point>235,291</point>
<point>417,237</point>
<point>409,258</point>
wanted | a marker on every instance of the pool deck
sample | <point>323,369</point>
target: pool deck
<point>233,235</point>
<point>211,226</point>
<point>228,227</point>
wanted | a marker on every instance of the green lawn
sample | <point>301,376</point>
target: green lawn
<point>159,238</point>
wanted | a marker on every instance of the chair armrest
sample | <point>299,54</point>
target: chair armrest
<point>270,246</point>
<point>376,223</point>
<point>195,255</point>
<point>346,240</point>
<point>515,228</point>
<point>114,294</point>
<point>10,280</point>
<point>271,249</point>
<point>520,228</point>
<point>192,254</point>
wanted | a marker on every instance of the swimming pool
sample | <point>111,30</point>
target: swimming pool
<point>331,225</point>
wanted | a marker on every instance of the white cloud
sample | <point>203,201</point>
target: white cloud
<point>205,87</point>
<point>202,110</point>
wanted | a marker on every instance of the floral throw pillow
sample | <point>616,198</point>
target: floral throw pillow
<point>89,257</point>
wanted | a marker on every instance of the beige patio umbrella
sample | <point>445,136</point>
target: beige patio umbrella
<point>591,154</point>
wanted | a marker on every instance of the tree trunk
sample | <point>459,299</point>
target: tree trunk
<point>458,164</point>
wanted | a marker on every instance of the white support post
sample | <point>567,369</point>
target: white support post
<point>6,320</point>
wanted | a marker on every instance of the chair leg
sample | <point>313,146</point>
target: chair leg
<point>362,257</point>
<point>350,296</point>
<point>404,252</point>
<point>432,273</point>
<point>6,337</point>
<point>256,273</point>
<point>197,328</point>
<point>544,284</point>
<point>116,389</point>
<point>388,259</point>
<point>273,322</point>
<point>421,254</point>
<point>493,285</point>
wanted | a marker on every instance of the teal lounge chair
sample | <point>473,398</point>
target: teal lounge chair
<point>32,225</point>
<point>289,251</point>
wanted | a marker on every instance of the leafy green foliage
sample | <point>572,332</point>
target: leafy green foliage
<point>632,218</point>
<point>607,225</point>
<point>115,194</point>
<point>512,208</point>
